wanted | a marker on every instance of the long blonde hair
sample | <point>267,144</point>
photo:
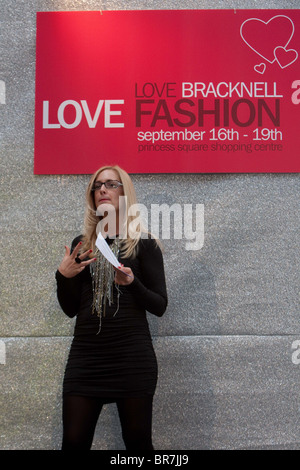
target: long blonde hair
<point>91,219</point>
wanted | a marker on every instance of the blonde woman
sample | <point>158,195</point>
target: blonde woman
<point>111,359</point>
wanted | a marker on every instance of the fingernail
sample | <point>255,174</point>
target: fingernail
<point>90,251</point>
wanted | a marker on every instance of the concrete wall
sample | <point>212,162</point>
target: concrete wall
<point>228,378</point>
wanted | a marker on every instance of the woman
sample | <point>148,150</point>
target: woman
<point>111,357</point>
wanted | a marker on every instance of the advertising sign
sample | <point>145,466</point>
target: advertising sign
<point>168,91</point>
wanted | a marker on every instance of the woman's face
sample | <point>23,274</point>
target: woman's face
<point>106,198</point>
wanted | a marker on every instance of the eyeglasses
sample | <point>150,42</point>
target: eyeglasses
<point>108,184</point>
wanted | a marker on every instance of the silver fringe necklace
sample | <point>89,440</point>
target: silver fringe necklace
<point>103,275</point>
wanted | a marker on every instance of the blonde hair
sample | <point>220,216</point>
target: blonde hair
<point>91,219</point>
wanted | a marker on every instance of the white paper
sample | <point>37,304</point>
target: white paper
<point>107,252</point>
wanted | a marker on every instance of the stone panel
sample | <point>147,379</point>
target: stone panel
<point>213,393</point>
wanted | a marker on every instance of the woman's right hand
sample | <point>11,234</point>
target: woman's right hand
<point>69,267</point>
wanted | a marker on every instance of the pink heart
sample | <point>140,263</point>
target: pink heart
<point>260,68</point>
<point>263,37</point>
<point>285,57</point>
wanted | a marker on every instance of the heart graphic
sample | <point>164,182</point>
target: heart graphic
<point>260,68</point>
<point>263,37</point>
<point>285,57</point>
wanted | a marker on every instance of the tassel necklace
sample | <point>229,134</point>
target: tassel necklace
<point>103,275</point>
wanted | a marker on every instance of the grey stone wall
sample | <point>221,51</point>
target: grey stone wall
<point>229,370</point>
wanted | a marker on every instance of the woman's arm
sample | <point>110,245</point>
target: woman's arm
<point>69,278</point>
<point>150,291</point>
<point>68,293</point>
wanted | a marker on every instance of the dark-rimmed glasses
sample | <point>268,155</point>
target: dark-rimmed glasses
<point>111,184</point>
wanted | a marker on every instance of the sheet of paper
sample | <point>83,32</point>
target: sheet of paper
<point>107,252</point>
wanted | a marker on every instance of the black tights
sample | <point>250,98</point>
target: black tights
<point>80,416</point>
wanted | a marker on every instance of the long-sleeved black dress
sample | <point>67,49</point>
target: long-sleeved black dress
<point>119,361</point>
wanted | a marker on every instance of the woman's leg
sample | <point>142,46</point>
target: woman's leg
<point>136,421</point>
<point>80,416</point>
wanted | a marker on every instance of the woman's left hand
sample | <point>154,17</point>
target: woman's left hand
<point>121,278</point>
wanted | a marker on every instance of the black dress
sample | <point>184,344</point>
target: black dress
<point>120,360</point>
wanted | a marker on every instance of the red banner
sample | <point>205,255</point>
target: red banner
<point>168,91</point>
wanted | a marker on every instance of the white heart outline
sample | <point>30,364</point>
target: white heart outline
<point>257,19</point>
<point>259,65</point>
<point>286,50</point>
